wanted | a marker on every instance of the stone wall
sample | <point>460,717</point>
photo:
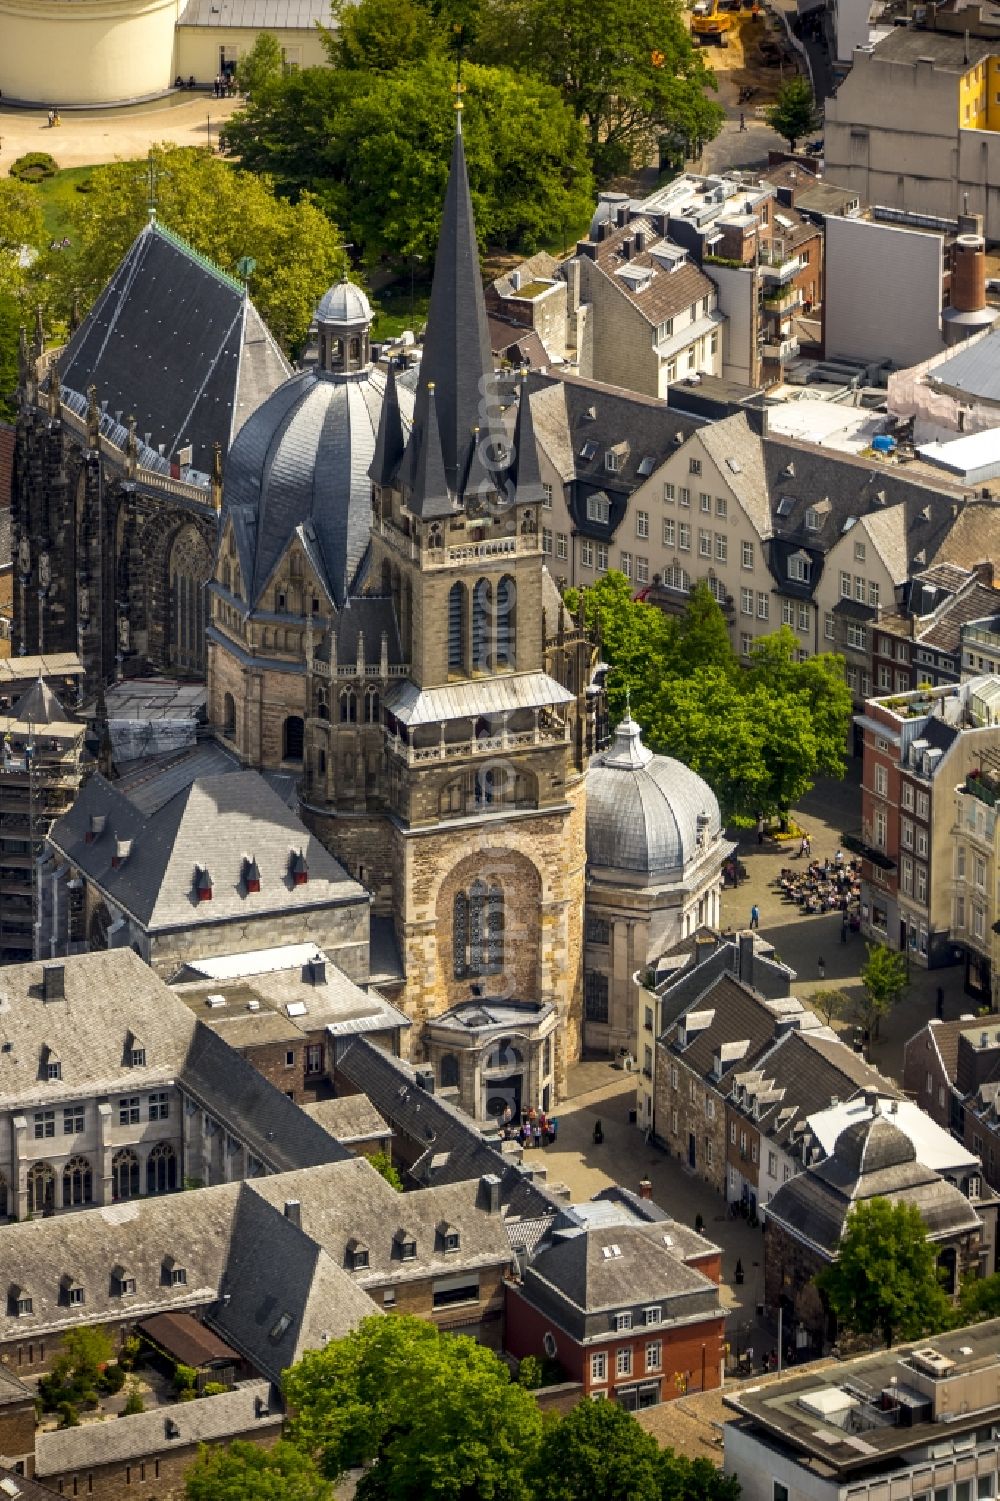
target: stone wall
<point>700,1113</point>
<point>160,1477</point>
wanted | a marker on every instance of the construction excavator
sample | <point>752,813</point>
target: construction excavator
<point>710,24</point>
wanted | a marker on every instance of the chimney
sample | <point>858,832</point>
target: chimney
<point>621,217</point>
<point>627,248</point>
<point>984,572</point>
<point>746,958</point>
<point>317,971</point>
<point>424,1079</point>
<point>645,1188</point>
<point>640,241</point>
<point>53,982</point>
<point>603,230</point>
<point>293,1212</point>
<point>489,1193</point>
<point>968,274</point>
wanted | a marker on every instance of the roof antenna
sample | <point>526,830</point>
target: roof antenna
<point>458,87</point>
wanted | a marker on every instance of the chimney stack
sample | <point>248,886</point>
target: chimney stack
<point>54,982</point>
<point>645,1188</point>
<point>968,274</point>
<point>293,1212</point>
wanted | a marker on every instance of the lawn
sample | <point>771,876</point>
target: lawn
<point>394,310</point>
<point>58,194</point>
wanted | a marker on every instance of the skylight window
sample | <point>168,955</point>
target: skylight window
<point>588,450</point>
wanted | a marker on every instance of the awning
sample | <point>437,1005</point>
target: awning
<point>858,846</point>
<point>415,706</point>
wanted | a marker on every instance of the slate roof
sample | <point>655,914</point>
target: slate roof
<point>454,417</point>
<point>301,461</point>
<point>738,1016</point>
<point>175,342</point>
<point>455,1150</point>
<point>90,1045</point>
<point>973,536</point>
<point>349,1203</point>
<point>871,1159</point>
<point>585,1274</point>
<point>213,825</point>
<point>245,1412</point>
<point>736,450</point>
<point>349,1118</point>
<point>16,1487</point>
<point>666,293</point>
<point>273,14</point>
<point>944,1039</point>
<point>945,634</point>
<point>40,705</point>
<point>801,1074</point>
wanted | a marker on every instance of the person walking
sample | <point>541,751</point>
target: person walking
<point>760,829</point>
<point>755,916</point>
<point>821,966</point>
<point>743,121</point>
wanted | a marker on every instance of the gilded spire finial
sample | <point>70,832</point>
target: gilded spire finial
<point>458,87</point>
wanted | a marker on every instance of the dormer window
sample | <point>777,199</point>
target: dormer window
<point>623,1321</point>
<point>135,1052</point>
<point>653,1315</point>
<point>123,848</point>
<point>299,869</point>
<point>406,1243</point>
<point>202,884</point>
<point>53,1069</point>
<point>812,519</point>
<point>21,1301</point>
<point>451,1239</point>
<point>800,567</point>
<point>174,1275</point>
<point>124,1282</point>
<point>251,874</point>
<point>598,508</point>
<point>612,461</point>
<point>73,1292</point>
<point>358,1257</point>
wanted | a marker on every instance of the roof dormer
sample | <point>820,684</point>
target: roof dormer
<point>449,1237</point>
<point>135,1051</point>
<point>50,1067</point>
<point>20,1304</point>
<point>123,848</point>
<point>123,1281</point>
<point>173,1273</point>
<point>298,868</point>
<point>251,874</point>
<point>405,1243</point>
<point>202,884</point>
<point>71,1292</point>
<point>358,1255</point>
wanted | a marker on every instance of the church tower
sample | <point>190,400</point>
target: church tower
<point>478,846</point>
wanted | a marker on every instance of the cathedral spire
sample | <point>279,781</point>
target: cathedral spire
<point>389,441</point>
<point>525,483</point>
<point>457,359</point>
<point>430,494</point>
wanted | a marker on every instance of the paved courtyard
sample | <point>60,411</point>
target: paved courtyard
<point>88,137</point>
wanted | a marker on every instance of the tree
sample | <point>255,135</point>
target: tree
<point>87,1349</point>
<point>242,1471</point>
<point>21,226</point>
<point>794,115</point>
<point>262,66</point>
<point>885,977</point>
<point>639,640</point>
<point>704,635</point>
<point>225,215</point>
<point>11,318</point>
<point>597,1452</point>
<point>980,1299</point>
<point>382,1163</point>
<point>885,1280</point>
<point>627,68</point>
<point>684,1479</point>
<point>374,147</point>
<point>378,36</point>
<point>429,1413</point>
<point>819,681</point>
<point>830,1004</point>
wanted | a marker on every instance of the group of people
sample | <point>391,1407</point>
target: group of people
<point>54,118</point>
<point>225,86</point>
<point>825,886</point>
<point>535,1128</point>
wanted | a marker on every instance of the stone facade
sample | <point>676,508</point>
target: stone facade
<point>690,1118</point>
<point>100,544</point>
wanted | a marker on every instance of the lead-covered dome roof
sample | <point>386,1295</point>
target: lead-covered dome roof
<point>302,459</point>
<point>647,814</point>
<point>344,303</point>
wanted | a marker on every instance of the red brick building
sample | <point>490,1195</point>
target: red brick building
<point>628,1306</point>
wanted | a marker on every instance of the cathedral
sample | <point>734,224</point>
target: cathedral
<point>352,555</point>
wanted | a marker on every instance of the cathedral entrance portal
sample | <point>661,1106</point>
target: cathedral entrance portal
<point>499,1094</point>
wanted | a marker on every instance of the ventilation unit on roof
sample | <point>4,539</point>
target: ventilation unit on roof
<point>215,1001</point>
<point>296,1008</point>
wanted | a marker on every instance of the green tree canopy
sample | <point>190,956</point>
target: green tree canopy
<point>21,225</point>
<point>758,735</point>
<point>794,115</point>
<point>378,36</point>
<point>244,1472</point>
<point>261,66</point>
<point>431,1414</point>
<point>980,1299</point>
<point>382,1163</point>
<point>11,317</point>
<point>885,1280</point>
<point>597,1452</point>
<point>224,214</point>
<point>885,978</point>
<point>684,1479</point>
<point>375,147</point>
<point>627,68</point>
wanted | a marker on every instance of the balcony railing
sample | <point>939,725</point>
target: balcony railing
<point>780,349</point>
<point>481,745</point>
<point>780,270</point>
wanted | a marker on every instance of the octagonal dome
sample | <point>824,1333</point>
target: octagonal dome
<point>301,460</point>
<point>647,814</point>
<point>871,1145</point>
<point>344,304</point>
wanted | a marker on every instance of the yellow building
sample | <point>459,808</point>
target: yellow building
<point>95,52</point>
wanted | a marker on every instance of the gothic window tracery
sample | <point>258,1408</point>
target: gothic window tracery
<point>477,930</point>
<point>189,567</point>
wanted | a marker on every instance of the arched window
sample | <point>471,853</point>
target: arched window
<point>41,1188</point>
<point>161,1169</point>
<point>78,1182</point>
<point>371,706</point>
<point>449,1071</point>
<point>322,707</point>
<point>125,1175</point>
<point>292,738</point>
<point>452,798</point>
<point>482,625</point>
<point>190,565</point>
<point>506,622</point>
<point>477,930</point>
<point>456,628</point>
<point>337,354</point>
<point>100,922</point>
<point>355,352</point>
<point>348,706</point>
<point>229,717</point>
<point>322,763</point>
